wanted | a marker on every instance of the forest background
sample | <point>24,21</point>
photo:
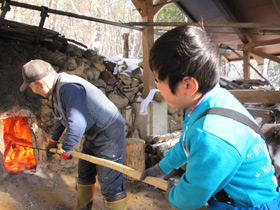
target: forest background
<point>107,39</point>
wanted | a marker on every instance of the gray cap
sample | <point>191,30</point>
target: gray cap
<point>34,70</point>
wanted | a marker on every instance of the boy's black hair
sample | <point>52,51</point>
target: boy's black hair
<point>186,51</point>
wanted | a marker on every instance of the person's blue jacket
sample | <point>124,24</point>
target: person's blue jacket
<point>220,153</point>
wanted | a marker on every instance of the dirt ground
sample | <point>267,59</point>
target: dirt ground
<point>52,187</point>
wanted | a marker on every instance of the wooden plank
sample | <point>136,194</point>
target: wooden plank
<point>256,96</point>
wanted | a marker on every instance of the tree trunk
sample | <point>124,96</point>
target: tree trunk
<point>135,154</point>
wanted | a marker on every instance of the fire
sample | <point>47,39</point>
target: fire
<point>19,154</point>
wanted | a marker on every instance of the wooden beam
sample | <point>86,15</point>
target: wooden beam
<point>246,67</point>
<point>265,55</point>
<point>251,45</point>
<point>140,6</point>
<point>256,96</point>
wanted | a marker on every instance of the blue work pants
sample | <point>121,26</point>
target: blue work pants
<point>108,144</point>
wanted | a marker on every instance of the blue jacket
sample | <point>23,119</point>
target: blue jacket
<point>79,106</point>
<point>220,154</point>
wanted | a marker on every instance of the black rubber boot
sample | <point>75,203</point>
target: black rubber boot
<point>117,201</point>
<point>85,194</point>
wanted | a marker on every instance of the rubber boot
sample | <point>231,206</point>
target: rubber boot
<point>85,194</point>
<point>117,201</point>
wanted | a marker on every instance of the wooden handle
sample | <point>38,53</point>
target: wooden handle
<point>154,181</point>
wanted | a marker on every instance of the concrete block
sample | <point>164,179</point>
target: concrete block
<point>155,122</point>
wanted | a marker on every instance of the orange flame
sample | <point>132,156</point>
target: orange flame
<point>19,154</point>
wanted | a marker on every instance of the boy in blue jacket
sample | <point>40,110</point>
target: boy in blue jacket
<point>228,163</point>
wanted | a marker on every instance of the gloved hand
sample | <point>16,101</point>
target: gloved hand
<point>66,155</point>
<point>51,144</point>
<point>153,171</point>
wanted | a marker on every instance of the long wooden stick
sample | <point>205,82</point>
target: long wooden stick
<point>154,181</point>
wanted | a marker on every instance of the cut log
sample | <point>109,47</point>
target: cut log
<point>135,154</point>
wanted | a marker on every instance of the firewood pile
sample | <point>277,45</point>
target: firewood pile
<point>157,146</point>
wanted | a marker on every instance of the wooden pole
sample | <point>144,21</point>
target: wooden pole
<point>154,181</point>
<point>147,12</point>
<point>145,8</point>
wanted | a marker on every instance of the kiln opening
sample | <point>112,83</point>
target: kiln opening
<point>19,153</point>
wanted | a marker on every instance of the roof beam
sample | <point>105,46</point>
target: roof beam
<point>257,44</point>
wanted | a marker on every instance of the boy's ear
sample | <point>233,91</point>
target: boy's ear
<point>191,85</point>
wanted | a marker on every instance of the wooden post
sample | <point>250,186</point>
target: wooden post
<point>147,12</point>
<point>125,45</point>
<point>246,67</point>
